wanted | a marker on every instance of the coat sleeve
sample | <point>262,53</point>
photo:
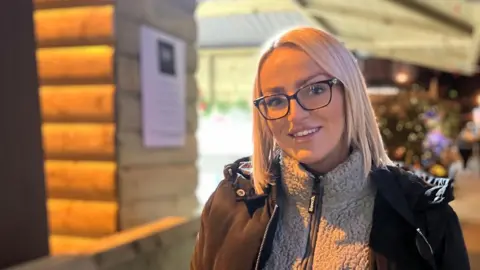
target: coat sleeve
<point>200,253</point>
<point>452,254</point>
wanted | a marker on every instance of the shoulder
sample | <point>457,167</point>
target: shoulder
<point>237,179</point>
<point>235,188</point>
<point>421,199</point>
<point>421,190</point>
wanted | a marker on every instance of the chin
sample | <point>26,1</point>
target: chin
<point>307,157</point>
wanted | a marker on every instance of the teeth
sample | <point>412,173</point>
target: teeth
<point>305,132</point>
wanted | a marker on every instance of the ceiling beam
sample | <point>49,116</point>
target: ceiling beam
<point>329,10</point>
<point>221,8</point>
<point>435,15</point>
<point>457,47</point>
<point>435,59</point>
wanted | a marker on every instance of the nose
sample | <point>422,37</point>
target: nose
<point>296,111</point>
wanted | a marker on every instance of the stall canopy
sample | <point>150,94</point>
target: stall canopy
<point>443,35</point>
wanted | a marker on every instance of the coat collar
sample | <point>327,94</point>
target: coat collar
<point>407,192</point>
<point>403,190</point>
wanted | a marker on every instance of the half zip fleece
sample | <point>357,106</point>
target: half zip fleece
<point>321,216</point>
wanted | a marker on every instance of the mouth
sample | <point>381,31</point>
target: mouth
<point>304,134</point>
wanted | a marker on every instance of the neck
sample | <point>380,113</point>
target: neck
<point>347,178</point>
<point>337,156</point>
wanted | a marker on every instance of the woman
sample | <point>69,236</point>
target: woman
<point>452,160</point>
<point>465,142</point>
<point>319,191</point>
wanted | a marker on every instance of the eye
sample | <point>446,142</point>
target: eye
<point>317,89</point>
<point>274,101</point>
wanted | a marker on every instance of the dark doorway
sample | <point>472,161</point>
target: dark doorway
<point>23,219</point>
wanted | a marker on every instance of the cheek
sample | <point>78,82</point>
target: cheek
<point>334,117</point>
<point>277,128</point>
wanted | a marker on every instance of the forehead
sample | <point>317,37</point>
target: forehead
<point>286,67</point>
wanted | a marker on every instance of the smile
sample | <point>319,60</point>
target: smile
<point>305,132</point>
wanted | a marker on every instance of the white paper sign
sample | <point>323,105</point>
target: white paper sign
<point>163,76</point>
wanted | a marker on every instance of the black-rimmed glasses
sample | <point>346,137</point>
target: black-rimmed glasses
<point>311,97</point>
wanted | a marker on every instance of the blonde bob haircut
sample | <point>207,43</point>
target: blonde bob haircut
<point>361,128</point>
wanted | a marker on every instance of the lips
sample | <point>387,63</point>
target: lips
<point>299,133</point>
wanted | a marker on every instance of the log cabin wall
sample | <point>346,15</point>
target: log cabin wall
<point>153,183</point>
<point>100,178</point>
<point>75,67</point>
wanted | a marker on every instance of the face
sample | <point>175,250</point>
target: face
<point>284,71</point>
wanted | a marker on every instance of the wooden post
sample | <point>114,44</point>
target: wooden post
<point>23,220</point>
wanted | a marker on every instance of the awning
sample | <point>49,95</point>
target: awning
<point>443,35</point>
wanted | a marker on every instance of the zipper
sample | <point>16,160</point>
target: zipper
<point>315,214</point>
<point>430,258</point>
<point>257,264</point>
<point>425,239</point>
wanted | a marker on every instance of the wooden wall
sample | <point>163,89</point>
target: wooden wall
<point>75,66</point>
<point>153,182</point>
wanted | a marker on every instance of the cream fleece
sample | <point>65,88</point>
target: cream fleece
<point>345,221</point>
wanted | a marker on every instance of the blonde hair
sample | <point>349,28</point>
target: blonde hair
<point>362,131</point>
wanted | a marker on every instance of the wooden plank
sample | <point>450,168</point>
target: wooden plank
<point>144,231</point>
<point>129,112</point>
<point>81,180</point>
<point>82,218</point>
<point>79,141</point>
<point>44,4</point>
<point>91,25</point>
<point>155,182</point>
<point>75,65</point>
<point>73,245</point>
<point>89,103</point>
<point>63,245</point>
<point>136,213</point>
<point>131,151</point>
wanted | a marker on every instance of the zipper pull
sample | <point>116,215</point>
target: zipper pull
<point>314,196</point>
<point>311,207</point>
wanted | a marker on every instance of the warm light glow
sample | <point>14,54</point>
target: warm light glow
<point>478,100</point>
<point>72,245</point>
<point>81,180</point>
<point>85,218</point>
<point>401,77</point>
<point>95,141</point>
<point>79,25</point>
<point>75,69</point>
<point>77,103</point>
<point>83,63</point>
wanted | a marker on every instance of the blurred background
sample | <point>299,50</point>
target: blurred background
<point>90,182</point>
<point>420,61</point>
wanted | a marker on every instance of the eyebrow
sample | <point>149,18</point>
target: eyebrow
<point>298,84</point>
<point>305,81</point>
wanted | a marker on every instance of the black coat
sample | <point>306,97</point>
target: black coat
<point>413,226</point>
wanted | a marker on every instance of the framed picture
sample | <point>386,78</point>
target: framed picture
<point>166,58</point>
